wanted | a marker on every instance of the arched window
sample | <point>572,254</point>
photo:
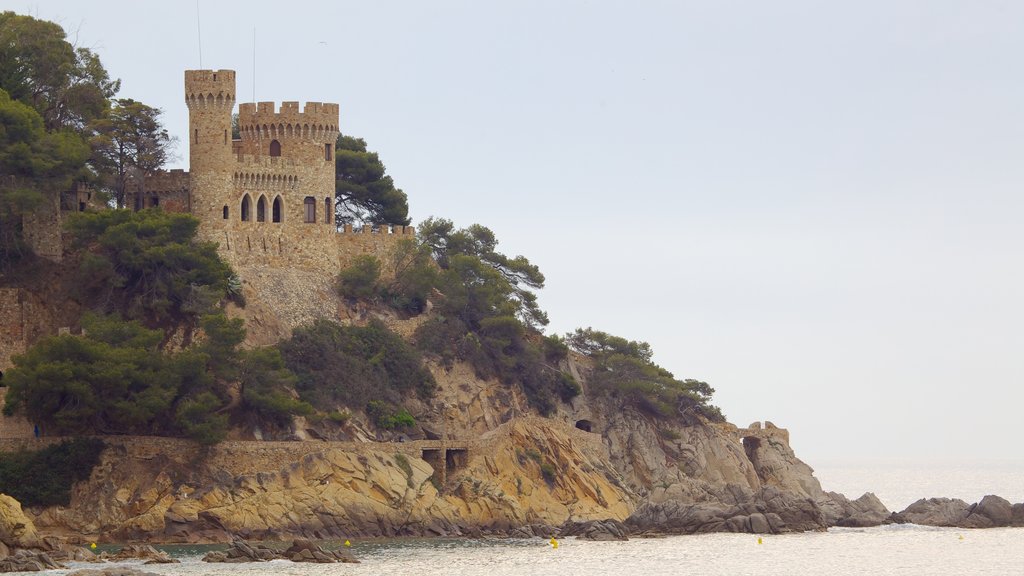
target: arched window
<point>309,206</point>
<point>275,148</point>
<point>246,208</point>
<point>277,209</point>
<point>261,209</point>
<point>225,212</point>
<point>328,212</point>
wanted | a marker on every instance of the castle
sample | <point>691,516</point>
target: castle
<point>267,199</point>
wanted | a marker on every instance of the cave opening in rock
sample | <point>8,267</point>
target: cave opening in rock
<point>585,425</point>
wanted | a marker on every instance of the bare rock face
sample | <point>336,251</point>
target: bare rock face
<point>16,529</point>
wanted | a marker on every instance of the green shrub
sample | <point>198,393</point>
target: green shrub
<point>623,369</point>
<point>547,470</point>
<point>387,416</point>
<point>353,365</point>
<point>339,417</point>
<point>45,477</point>
<point>361,278</point>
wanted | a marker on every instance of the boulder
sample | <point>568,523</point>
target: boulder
<point>934,512</point>
<point>29,561</point>
<point>863,512</point>
<point>16,529</point>
<point>996,511</point>
<point>598,530</point>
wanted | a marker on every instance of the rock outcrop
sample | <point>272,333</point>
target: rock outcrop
<point>991,512</point>
<point>299,551</point>
<point>16,529</point>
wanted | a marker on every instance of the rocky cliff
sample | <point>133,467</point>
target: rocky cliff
<point>491,468</point>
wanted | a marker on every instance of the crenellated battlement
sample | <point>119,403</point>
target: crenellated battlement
<point>167,180</point>
<point>317,121</point>
<point>210,88</point>
<point>261,180</point>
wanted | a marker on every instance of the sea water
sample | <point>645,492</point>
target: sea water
<point>895,549</point>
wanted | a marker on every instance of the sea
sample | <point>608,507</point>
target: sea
<point>895,549</point>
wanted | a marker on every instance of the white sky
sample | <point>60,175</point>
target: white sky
<point>815,208</point>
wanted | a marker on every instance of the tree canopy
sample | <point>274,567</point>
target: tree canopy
<point>148,265</point>
<point>623,369</point>
<point>115,379</point>
<point>129,143</point>
<point>67,86</point>
<point>363,192</point>
<point>512,279</point>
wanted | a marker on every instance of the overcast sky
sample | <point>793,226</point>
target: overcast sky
<point>815,208</point>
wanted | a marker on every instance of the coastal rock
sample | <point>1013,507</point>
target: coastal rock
<point>598,530</point>
<point>300,551</point>
<point>112,571</point>
<point>16,529</point>
<point>934,512</point>
<point>991,512</point>
<point>138,552</point>
<point>29,561</point>
<point>863,512</point>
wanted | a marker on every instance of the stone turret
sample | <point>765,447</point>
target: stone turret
<point>210,96</point>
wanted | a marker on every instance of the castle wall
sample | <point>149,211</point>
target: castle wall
<point>43,229</point>
<point>13,426</point>
<point>170,190</point>
<point>13,337</point>
<point>381,243</point>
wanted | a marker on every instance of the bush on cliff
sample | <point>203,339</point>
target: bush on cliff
<point>623,369</point>
<point>45,477</point>
<point>354,365</point>
<point>410,274</point>
<point>148,266</point>
<point>488,316</point>
<point>115,379</point>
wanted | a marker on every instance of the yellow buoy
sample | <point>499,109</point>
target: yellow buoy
<point>554,543</point>
<point>93,545</point>
<point>961,536</point>
<point>347,543</point>
<point>759,541</point>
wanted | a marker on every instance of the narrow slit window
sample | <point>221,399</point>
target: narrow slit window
<point>327,211</point>
<point>225,212</point>
<point>327,152</point>
<point>309,206</point>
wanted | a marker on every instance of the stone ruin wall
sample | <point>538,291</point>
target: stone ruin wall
<point>43,230</point>
<point>167,189</point>
<point>14,333</point>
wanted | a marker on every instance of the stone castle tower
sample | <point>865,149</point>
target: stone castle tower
<point>267,199</point>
